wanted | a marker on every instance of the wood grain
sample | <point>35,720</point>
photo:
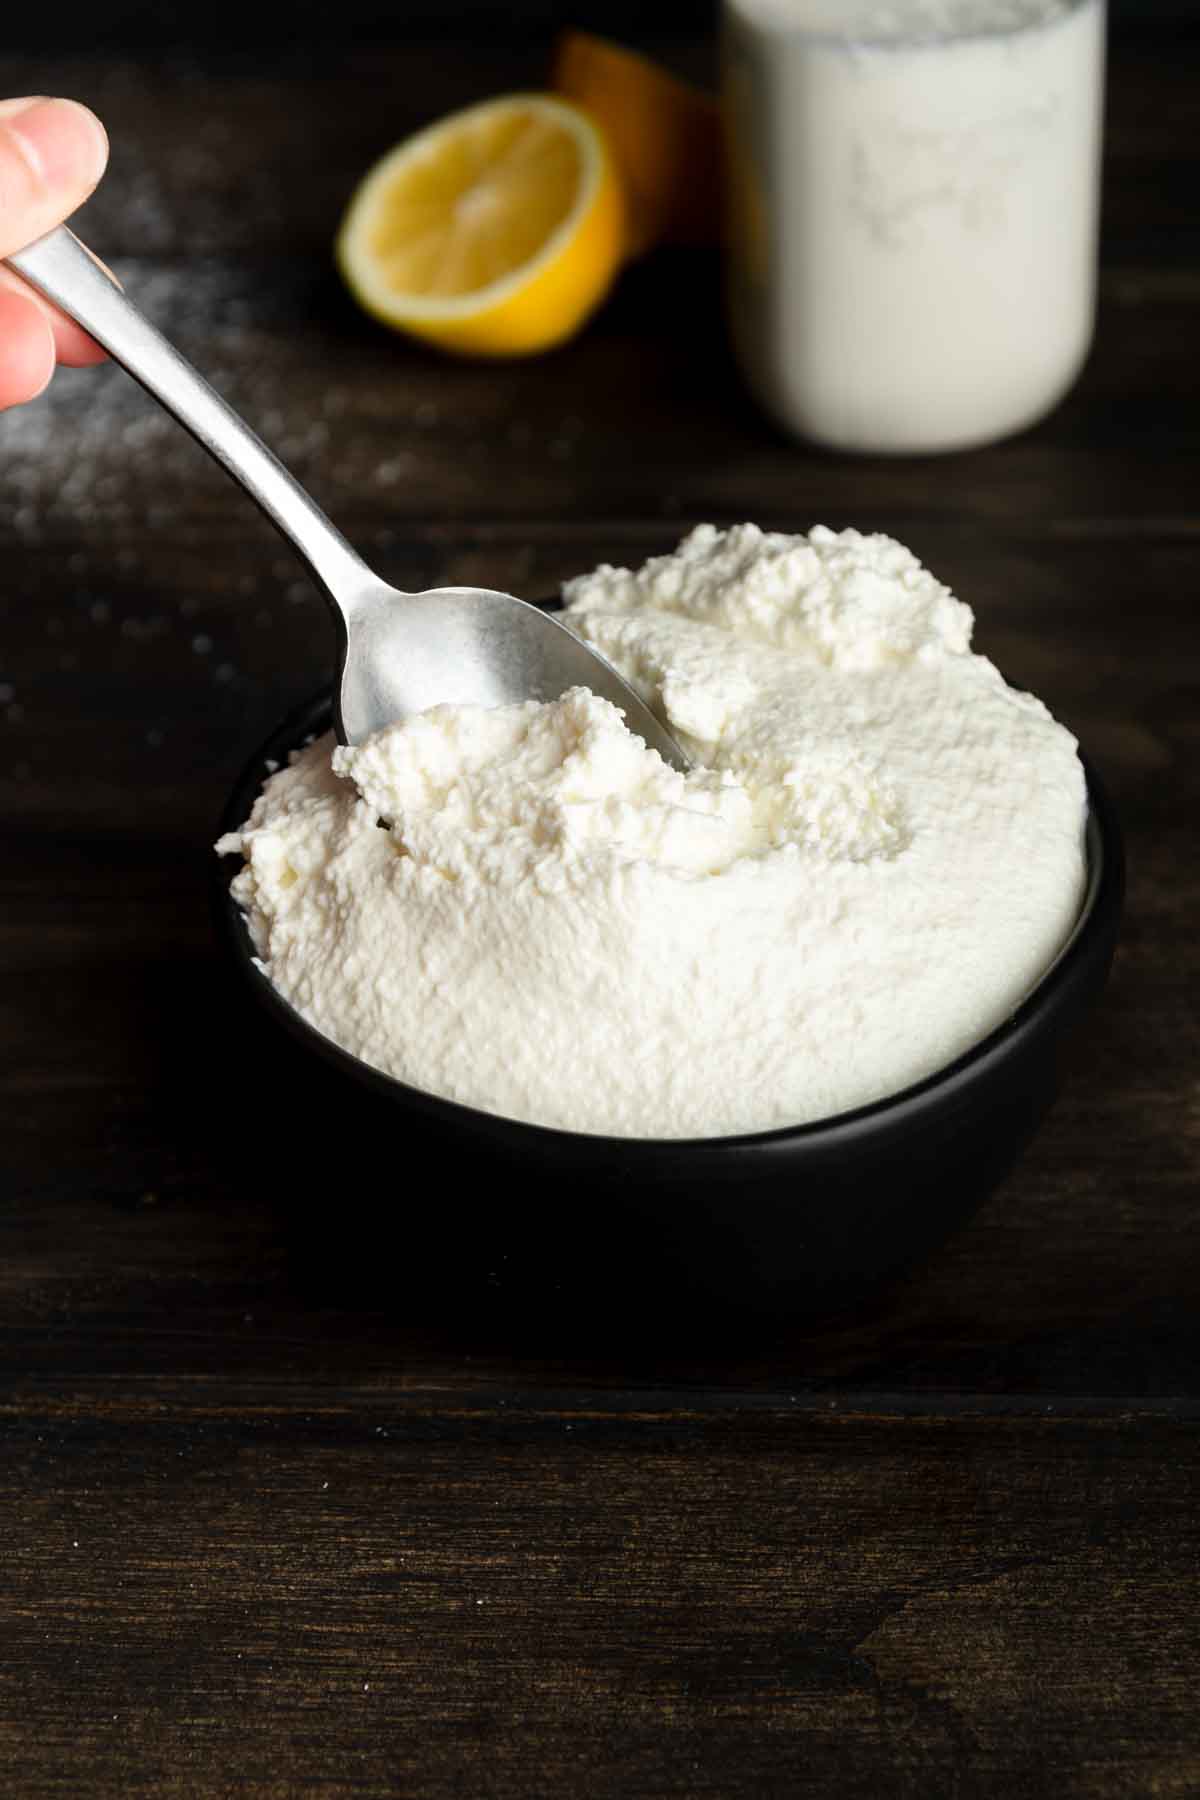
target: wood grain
<point>312,1498</point>
<point>513,1601</point>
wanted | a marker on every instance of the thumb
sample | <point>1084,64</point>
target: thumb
<point>52,154</point>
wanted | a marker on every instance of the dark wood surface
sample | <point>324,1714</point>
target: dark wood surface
<point>285,1514</point>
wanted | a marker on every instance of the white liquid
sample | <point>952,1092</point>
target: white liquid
<point>914,210</point>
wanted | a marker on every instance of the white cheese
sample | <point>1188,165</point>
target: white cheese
<point>879,852</point>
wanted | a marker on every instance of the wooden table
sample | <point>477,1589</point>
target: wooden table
<point>270,1526</point>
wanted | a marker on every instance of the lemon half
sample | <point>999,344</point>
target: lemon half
<point>494,232</point>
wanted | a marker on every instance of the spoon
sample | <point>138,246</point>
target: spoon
<point>398,653</point>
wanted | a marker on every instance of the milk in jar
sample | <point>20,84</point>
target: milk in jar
<point>913,199</point>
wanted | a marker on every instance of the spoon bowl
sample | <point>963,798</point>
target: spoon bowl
<point>471,647</point>
<point>398,653</point>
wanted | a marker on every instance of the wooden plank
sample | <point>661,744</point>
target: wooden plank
<point>521,1604</point>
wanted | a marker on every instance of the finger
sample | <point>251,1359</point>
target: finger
<point>72,344</point>
<point>52,154</point>
<point>26,349</point>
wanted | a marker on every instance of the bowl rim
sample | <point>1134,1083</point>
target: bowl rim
<point>1094,928</point>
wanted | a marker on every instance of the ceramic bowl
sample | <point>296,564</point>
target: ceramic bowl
<point>801,1220</point>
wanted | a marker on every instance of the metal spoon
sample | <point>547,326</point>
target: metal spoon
<point>397,653</point>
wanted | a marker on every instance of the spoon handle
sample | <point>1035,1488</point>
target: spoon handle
<point>60,267</point>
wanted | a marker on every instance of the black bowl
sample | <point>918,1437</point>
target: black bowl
<point>802,1220</point>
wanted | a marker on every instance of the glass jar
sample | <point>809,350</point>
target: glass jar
<point>913,189</point>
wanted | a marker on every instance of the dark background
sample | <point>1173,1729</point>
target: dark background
<point>128,23</point>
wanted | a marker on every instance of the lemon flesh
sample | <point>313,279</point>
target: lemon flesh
<point>495,232</point>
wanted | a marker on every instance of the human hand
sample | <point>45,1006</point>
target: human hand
<point>52,154</point>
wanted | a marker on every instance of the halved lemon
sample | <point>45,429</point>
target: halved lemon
<point>495,232</point>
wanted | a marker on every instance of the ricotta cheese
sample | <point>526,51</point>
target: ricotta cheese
<point>878,853</point>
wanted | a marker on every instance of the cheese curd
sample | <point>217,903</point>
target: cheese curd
<point>878,853</point>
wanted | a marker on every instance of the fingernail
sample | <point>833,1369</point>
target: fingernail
<point>64,144</point>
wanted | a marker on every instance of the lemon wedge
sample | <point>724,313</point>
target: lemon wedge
<point>494,232</point>
<point>665,137</point>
